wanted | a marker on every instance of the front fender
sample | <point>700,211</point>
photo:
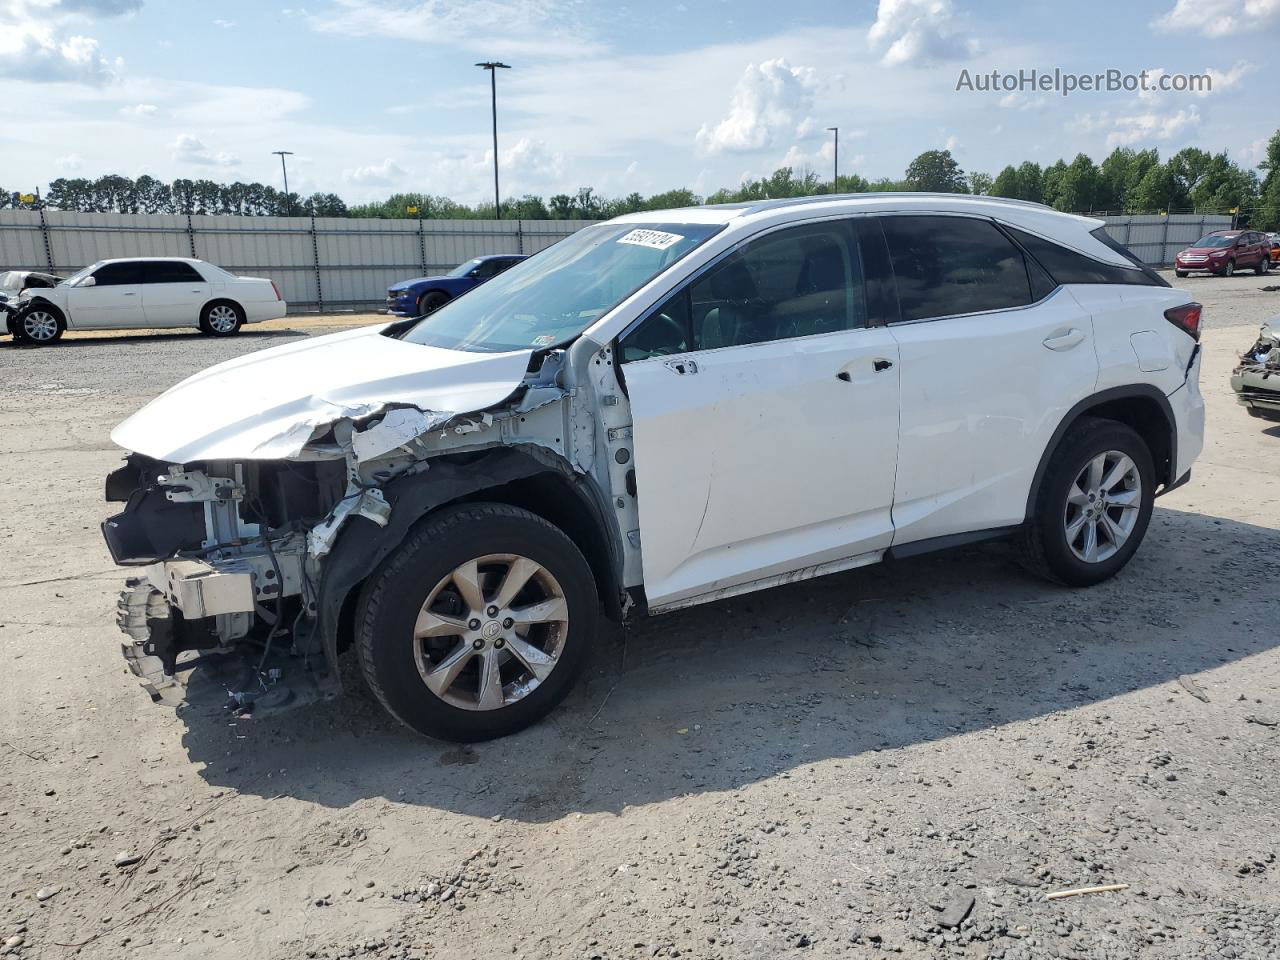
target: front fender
<point>362,545</point>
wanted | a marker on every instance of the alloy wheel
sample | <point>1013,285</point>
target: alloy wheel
<point>1102,506</point>
<point>40,326</point>
<point>222,318</point>
<point>491,632</point>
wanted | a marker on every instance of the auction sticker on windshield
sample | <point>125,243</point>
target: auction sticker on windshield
<point>656,239</point>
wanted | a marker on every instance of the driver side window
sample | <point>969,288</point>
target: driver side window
<point>800,282</point>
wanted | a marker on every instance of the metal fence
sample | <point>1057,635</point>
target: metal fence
<point>1156,239</point>
<point>331,263</point>
<point>319,263</point>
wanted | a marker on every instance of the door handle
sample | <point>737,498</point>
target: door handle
<point>129,294</point>
<point>682,367</point>
<point>880,365</point>
<point>1064,341</point>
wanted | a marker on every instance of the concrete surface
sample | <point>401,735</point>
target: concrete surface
<point>833,768</point>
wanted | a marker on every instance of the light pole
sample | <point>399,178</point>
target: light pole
<point>493,66</point>
<point>835,175</point>
<point>288,202</point>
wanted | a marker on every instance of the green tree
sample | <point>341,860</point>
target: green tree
<point>1051,183</point>
<point>1157,191</point>
<point>936,171</point>
<point>1078,185</point>
<point>980,184</point>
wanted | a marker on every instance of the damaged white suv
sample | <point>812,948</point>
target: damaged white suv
<point>659,411</point>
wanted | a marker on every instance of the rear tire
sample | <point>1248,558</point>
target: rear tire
<point>39,326</point>
<point>431,301</point>
<point>222,318</point>
<point>433,622</point>
<point>1263,266</point>
<point>1114,501</point>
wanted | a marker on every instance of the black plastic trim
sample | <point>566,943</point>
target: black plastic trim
<point>932,544</point>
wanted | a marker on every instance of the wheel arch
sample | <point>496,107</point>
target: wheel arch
<point>1140,406</point>
<point>534,480</point>
<point>230,301</point>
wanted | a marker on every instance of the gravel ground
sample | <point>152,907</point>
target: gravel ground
<point>899,760</point>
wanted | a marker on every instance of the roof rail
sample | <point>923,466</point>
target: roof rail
<point>873,195</point>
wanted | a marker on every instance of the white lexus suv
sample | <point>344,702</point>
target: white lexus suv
<point>659,411</point>
<point>144,292</point>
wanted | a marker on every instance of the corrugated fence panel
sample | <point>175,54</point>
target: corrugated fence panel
<point>1157,239</point>
<point>21,241</point>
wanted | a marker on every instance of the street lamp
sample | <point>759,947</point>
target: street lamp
<point>493,66</point>
<point>288,202</point>
<point>835,176</point>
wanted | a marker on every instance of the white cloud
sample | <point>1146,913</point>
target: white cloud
<point>770,99</point>
<point>38,44</point>
<point>188,149</point>
<point>1254,153</point>
<point>71,162</point>
<point>140,110</point>
<point>1020,100</point>
<point>1220,82</point>
<point>1144,128</point>
<point>917,32</point>
<point>1221,18</point>
<point>386,173</point>
<point>224,24</point>
<point>952,144</point>
<point>494,27</point>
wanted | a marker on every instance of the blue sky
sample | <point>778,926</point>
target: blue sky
<point>376,96</point>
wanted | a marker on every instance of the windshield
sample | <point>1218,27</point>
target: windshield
<point>1214,241</point>
<point>550,298</point>
<point>464,268</point>
<point>82,273</point>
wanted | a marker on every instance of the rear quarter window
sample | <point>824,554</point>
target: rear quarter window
<point>1068,266</point>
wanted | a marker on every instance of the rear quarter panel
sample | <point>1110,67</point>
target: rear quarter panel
<point>1135,343</point>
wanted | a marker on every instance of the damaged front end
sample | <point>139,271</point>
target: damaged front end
<point>253,529</point>
<point>1256,381</point>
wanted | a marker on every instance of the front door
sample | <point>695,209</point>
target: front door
<point>113,301</point>
<point>765,417</point>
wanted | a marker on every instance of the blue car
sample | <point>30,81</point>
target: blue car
<point>416,298</point>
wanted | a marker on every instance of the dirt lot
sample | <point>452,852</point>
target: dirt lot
<point>831,768</point>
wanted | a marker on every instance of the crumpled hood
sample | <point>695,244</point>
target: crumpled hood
<point>267,405</point>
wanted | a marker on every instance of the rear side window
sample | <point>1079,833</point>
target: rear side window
<point>946,266</point>
<point>170,271</point>
<point>1068,266</point>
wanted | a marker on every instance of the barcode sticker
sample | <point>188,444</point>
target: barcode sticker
<point>654,239</point>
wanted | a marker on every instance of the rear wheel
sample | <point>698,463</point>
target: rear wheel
<point>39,326</point>
<point>478,625</point>
<point>431,301</point>
<point>221,318</point>
<point>1094,504</point>
<point>1263,266</point>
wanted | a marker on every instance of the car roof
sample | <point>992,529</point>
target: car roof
<point>499,256</point>
<point>150,259</point>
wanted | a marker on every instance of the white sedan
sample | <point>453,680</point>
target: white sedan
<point>145,292</point>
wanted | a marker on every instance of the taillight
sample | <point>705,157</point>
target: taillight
<point>277,290</point>
<point>1186,318</point>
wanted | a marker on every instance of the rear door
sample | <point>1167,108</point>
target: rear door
<point>764,410</point>
<point>993,355</point>
<point>173,293</point>
<point>114,300</point>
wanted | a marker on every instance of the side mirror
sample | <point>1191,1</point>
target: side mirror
<point>90,281</point>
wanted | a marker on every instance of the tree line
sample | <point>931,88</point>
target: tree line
<point>1126,181</point>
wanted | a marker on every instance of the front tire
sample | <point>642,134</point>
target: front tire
<point>1179,274</point>
<point>1263,266</point>
<point>222,318</point>
<point>1230,269</point>
<point>478,624</point>
<point>39,326</point>
<point>1094,504</point>
<point>431,301</point>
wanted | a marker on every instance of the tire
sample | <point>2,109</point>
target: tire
<point>1047,547</point>
<point>431,301</point>
<point>1263,266</point>
<point>1179,273</point>
<point>421,586</point>
<point>221,318</point>
<point>39,326</point>
<point>1230,269</point>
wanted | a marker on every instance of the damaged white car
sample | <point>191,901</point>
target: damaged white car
<point>662,410</point>
<point>1256,381</point>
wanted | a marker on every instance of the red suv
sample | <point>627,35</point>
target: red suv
<point>1224,252</point>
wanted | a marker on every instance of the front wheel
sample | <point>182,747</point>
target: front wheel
<point>1094,504</point>
<point>39,326</point>
<point>478,624</point>
<point>431,301</point>
<point>1179,273</point>
<point>1263,266</point>
<point>1230,269</point>
<point>221,319</point>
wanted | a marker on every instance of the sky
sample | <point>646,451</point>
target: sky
<point>381,96</point>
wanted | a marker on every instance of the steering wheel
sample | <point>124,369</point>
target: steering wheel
<point>664,345</point>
